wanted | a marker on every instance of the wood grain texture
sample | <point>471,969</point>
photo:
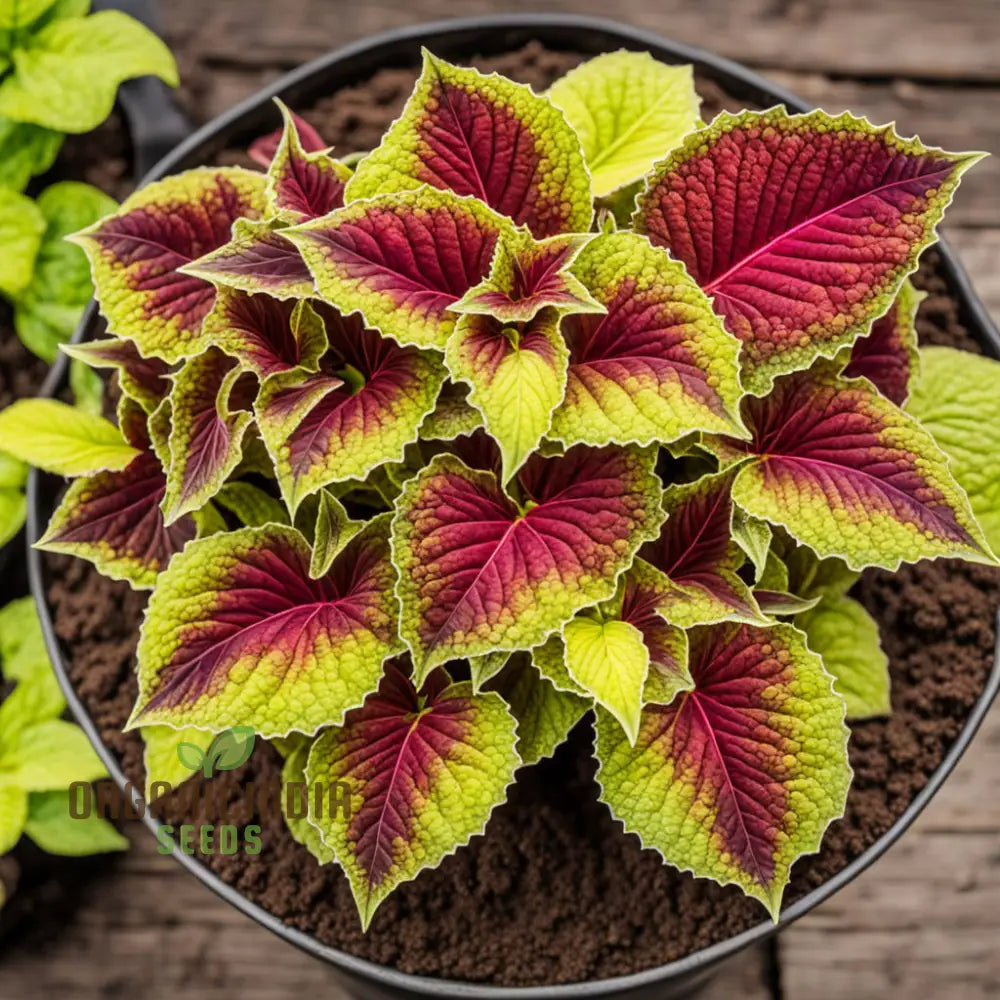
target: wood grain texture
<point>923,39</point>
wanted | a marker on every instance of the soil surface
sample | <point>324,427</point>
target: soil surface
<point>554,892</point>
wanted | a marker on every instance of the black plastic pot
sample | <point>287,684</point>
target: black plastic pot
<point>457,40</point>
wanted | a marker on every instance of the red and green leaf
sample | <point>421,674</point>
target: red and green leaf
<point>517,377</point>
<point>142,379</point>
<point>206,437</point>
<point>359,411</point>
<point>801,228</point>
<point>738,777</point>
<point>425,772</point>
<point>258,258</point>
<point>267,335</point>
<point>487,137</point>
<point>402,260</point>
<point>262,150</point>
<point>528,276</point>
<point>136,255</point>
<point>657,365</point>
<point>115,521</point>
<point>302,184</point>
<point>238,633</point>
<point>888,355</point>
<point>694,561</point>
<point>849,474</point>
<point>479,573</point>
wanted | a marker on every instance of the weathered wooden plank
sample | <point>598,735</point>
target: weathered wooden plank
<point>914,38</point>
<point>146,921</point>
<point>924,921</point>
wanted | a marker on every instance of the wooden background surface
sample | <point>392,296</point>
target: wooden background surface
<point>925,921</point>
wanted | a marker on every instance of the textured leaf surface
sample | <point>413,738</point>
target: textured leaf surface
<point>402,260</point>
<point>136,254</point>
<point>487,137</point>
<point>237,633</point>
<point>359,411</point>
<point>252,505</point>
<point>658,365</point>
<point>299,826</point>
<point>52,827</point>
<point>545,715</point>
<point>25,150</point>
<point>610,661</point>
<point>845,636</point>
<point>453,415</point>
<point>425,774</point>
<point>740,776</point>
<point>528,275</point>
<point>62,439</point>
<point>21,227</point>
<point>957,399</point>
<point>851,475</point>
<point>258,258</point>
<point>160,758</point>
<point>628,110</point>
<point>48,310</point>
<point>266,334</point>
<point>303,184</point>
<point>800,227</point>
<point>888,355</point>
<point>114,520</point>
<point>66,75</point>
<point>142,379</point>
<point>332,531</point>
<point>694,561</point>
<point>49,756</point>
<point>517,376</point>
<point>477,575</point>
<point>206,436</point>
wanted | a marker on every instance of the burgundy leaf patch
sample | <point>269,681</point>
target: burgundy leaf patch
<point>114,520</point>
<point>800,227</point>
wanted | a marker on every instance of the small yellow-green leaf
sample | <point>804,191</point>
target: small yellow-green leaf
<point>628,110</point>
<point>66,76</point>
<point>51,826</point>
<point>21,228</point>
<point>162,759</point>
<point>846,637</point>
<point>957,399</point>
<point>610,660</point>
<point>13,814</point>
<point>62,439</point>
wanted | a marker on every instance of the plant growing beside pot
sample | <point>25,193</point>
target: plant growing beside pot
<point>469,399</point>
<point>41,754</point>
<point>60,69</point>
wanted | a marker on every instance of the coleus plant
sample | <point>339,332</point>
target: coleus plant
<point>424,460</point>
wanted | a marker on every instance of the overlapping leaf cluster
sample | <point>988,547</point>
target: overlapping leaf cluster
<point>424,461</point>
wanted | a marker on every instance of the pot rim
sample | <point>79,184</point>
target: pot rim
<point>560,30</point>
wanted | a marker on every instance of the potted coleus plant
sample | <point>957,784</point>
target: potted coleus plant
<point>424,458</point>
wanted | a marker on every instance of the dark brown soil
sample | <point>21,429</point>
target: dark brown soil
<point>555,892</point>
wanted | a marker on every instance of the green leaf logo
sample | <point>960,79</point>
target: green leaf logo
<point>231,748</point>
